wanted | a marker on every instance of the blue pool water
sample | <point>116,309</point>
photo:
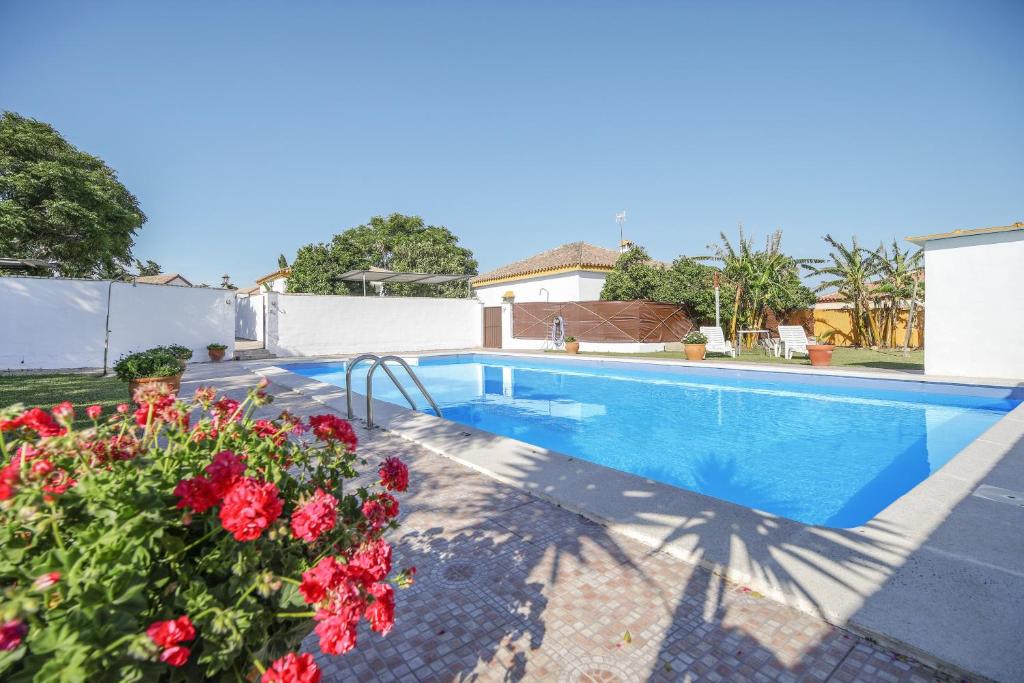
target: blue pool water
<point>816,449</point>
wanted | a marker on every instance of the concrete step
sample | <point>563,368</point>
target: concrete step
<point>253,354</point>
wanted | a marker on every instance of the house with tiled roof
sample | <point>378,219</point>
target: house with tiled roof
<point>571,272</point>
<point>175,279</point>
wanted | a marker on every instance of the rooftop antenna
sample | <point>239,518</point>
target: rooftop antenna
<point>620,218</point>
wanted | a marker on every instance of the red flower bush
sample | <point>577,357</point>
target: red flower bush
<point>146,544</point>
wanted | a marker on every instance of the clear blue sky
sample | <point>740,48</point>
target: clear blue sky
<point>248,129</point>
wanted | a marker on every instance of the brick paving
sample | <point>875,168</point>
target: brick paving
<point>511,588</point>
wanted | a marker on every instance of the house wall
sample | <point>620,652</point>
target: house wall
<point>570,286</point>
<point>972,282</point>
<point>312,325</point>
<point>51,323</point>
<point>249,316</point>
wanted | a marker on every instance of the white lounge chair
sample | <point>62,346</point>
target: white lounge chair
<point>717,342</point>
<point>794,340</point>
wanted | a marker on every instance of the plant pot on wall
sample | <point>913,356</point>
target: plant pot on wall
<point>820,354</point>
<point>572,345</point>
<point>695,351</point>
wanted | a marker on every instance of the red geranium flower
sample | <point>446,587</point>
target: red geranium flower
<point>379,511</point>
<point>375,558</point>
<point>171,632</point>
<point>292,668</point>
<point>176,655</point>
<point>337,632</point>
<point>249,507</point>
<point>196,494</point>
<point>394,475</point>
<point>381,612</point>
<point>333,428</point>
<point>46,581</point>
<point>224,471</point>
<point>94,412</point>
<point>327,574</point>
<point>10,478</point>
<point>11,633</point>
<point>315,517</point>
<point>41,422</point>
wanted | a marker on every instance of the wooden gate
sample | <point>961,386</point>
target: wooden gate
<point>492,327</point>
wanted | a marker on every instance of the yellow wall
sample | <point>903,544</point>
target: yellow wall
<point>835,326</point>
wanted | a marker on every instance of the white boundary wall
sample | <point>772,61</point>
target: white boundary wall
<point>50,323</point>
<point>313,325</point>
<point>249,316</point>
<point>975,299</point>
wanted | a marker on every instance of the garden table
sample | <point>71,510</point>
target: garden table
<point>765,343</point>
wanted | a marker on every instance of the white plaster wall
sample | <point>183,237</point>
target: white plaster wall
<point>48,324</point>
<point>975,299</point>
<point>145,316</point>
<point>312,325</point>
<point>60,323</point>
<point>249,316</point>
<point>571,286</point>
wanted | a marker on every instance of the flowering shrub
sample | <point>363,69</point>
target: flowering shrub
<point>187,541</point>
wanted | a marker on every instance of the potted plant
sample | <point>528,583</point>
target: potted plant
<point>820,354</point>
<point>216,351</point>
<point>155,366</point>
<point>571,345</point>
<point>182,353</point>
<point>695,345</point>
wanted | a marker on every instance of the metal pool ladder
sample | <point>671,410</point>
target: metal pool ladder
<point>381,361</point>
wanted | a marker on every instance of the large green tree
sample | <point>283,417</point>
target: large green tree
<point>60,204</point>
<point>635,277</point>
<point>692,284</point>
<point>395,242</point>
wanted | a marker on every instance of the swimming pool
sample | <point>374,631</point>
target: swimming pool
<point>819,449</point>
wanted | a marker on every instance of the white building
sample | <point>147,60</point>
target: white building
<point>276,281</point>
<point>571,272</point>
<point>975,321</point>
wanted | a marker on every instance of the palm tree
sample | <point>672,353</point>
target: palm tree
<point>898,270</point>
<point>851,271</point>
<point>764,279</point>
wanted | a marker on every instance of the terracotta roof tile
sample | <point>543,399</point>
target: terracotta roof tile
<point>161,279</point>
<point>572,255</point>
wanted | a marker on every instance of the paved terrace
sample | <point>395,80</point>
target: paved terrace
<point>511,588</point>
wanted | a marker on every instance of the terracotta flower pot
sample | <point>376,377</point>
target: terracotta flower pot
<point>695,351</point>
<point>572,347</point>
<point>172,381</point>
<point>216,355</point>
<point>821,354</point>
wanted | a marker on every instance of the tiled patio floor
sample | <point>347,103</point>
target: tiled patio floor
<point>512,588</point>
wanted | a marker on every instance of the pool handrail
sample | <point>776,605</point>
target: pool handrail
<point>381,362</point>
<point>351,365</point>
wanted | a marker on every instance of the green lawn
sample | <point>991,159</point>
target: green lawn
<point>47,391</point>
<point>841,357</point>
